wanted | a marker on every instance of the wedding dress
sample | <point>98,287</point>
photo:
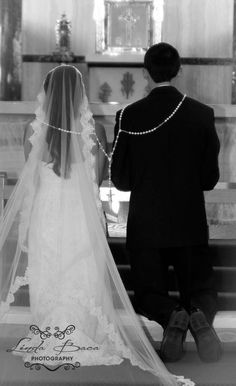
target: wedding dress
<point>66,288</point>
<point>81,314</point>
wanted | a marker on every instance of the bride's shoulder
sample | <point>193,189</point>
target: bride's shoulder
<point>28,130</point>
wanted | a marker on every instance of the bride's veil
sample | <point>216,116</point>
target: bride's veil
<point>63,146</point>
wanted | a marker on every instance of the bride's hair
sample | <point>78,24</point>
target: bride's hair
<point>60,85</point>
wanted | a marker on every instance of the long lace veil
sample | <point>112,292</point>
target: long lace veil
<point>63,153</point>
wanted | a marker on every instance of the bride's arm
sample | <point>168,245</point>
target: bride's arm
<point>27,144</point>
<point>101,160</point>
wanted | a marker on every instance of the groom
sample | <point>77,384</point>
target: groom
<point>167,171</point>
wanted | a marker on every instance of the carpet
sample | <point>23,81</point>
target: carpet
<point>222,373</point>
<point>13,372</point>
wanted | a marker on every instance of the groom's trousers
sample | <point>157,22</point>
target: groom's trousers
<point>194,275</point>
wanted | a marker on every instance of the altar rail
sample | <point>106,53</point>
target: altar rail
<point>222,193</point>
<point>100,109</point>
<point>14,116</point>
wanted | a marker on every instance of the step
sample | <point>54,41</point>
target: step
<point>223,254</point>
<point>223,251</point>
<point>224,324</point>
<point>226,300</point>
<point>225,278</point>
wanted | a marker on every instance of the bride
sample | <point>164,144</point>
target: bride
<point>77,299</point>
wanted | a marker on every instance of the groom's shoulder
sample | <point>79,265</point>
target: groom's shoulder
<point>198,106</point>
<point>134,107</point>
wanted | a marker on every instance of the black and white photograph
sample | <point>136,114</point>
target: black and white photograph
<point>118,192</point>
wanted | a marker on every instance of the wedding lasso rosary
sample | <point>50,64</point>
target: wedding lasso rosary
<point>110,155</point>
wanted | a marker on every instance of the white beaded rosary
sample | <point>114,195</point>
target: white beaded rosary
<point>109,156</point>
<point>134,133</point>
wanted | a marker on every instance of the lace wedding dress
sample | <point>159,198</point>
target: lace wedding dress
<point>70,290</point>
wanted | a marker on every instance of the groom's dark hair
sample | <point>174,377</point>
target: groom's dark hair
<point>162,61</point>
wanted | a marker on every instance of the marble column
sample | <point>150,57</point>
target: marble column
<point>234,58</point>
<point>10,50</point>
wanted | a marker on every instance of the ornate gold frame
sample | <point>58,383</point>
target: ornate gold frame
<point>127,25</point>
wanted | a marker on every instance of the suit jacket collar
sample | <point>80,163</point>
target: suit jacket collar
<point>164,90</point>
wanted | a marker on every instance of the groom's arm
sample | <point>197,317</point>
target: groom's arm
<point>210,168</point>
<point>120,167</point>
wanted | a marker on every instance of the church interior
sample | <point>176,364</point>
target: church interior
<point>106,40</point>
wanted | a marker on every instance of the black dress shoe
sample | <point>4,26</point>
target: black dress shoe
<point>208,344</point>
<point>174,335</point>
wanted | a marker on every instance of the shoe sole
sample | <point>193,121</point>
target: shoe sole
<point>207,342</point>
<point>172,344</point>
<point>172,347</point>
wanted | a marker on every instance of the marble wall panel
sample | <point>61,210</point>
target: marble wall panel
<point>34,74</point>
<point>209,83</point>
<point>11,143</point>
<point>226,129</point>
<point>199,28</point>
<point>116,84</point>
<point>39,20</point>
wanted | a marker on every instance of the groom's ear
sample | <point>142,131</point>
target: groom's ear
<point>146,74</point>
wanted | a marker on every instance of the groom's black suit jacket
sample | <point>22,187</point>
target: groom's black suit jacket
<point>168,170</point>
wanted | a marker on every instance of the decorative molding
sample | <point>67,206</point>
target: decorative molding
<point>101,109</point>
<point>130,63</point>
<point>57,58</point>
<point>207,61</point>
<point>115,64</point>
<point>189,61</point>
